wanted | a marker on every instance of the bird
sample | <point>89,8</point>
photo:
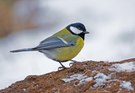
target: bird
<point>62,46</point>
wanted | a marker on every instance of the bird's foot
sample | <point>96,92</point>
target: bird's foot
<point>61,68</point>
<point>72,62</point>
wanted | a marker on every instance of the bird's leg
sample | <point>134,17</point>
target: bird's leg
<point>62,66</point>
<point>73,61</point>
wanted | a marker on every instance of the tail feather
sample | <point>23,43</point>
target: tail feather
<point>22,50</point>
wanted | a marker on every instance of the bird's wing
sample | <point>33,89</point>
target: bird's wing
<point>53,42</point>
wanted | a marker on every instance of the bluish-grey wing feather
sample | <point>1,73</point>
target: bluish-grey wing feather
<point>53,42</point>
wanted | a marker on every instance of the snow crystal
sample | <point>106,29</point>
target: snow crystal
<point>127,85</point>
<point>100,79</point>
<point>128,67</point>
<point>81,77</point>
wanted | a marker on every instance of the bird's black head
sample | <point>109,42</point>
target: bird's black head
<point>77,29</point>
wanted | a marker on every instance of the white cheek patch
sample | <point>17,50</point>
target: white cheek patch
<point>75,30</point>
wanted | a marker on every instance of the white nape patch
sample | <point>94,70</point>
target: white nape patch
<point>127,85</point>
<point>75,30</point>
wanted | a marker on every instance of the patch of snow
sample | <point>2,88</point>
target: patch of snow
<point>125,67</point>
<point>24,89</point>
<point>84,80</point>
<point>100,79</point>
<point>81,77</point>
<point>127,85</point>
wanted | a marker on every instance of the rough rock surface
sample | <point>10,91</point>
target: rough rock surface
<point>81,77</point>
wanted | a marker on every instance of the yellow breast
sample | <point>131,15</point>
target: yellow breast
<point>67,53</point>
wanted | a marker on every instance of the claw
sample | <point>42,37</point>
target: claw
<point>73,61</point>
<point>61,68</point>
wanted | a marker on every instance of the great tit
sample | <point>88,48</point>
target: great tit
<point>63,45</point>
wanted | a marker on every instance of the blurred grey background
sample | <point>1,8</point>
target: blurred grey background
<point>24,23</point>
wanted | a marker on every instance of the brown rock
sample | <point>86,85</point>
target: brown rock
<point>81,77</point>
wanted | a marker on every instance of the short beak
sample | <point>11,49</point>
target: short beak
<point>86,32</point>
